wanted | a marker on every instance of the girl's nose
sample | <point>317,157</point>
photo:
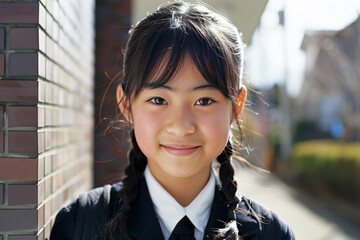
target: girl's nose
<point>181,122</point>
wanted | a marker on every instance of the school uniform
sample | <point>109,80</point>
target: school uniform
<point>151,217</point>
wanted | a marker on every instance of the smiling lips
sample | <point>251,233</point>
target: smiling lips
<point>180,150</point>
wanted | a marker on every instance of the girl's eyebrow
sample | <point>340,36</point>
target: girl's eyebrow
<point>203,86</point>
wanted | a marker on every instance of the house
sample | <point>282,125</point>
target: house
<point>330,93</point>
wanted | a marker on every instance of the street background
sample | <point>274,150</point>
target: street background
<point>308,217</point>
<point>302,117</point>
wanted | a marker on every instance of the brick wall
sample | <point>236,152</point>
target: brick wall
<point>46,111</point>
<point>113,21</point>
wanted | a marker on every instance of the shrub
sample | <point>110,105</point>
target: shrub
<point>305,130</point>
<point>335,164</point>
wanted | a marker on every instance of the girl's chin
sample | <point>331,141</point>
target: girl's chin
<point>181,171</point>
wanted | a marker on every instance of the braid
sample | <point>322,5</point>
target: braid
<point>229,188</point>
<point>116,228</point>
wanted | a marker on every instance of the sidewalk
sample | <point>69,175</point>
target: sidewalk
<point>306,216</point>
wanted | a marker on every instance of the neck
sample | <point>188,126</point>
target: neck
<point>183,189</point>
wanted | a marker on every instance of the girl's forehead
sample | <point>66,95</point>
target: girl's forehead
<point>184,68</point>
<point>187,76</point>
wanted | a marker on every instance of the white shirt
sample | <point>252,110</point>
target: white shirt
<point>170,212</point>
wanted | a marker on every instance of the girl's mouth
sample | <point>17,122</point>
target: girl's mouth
<point>180,150</point>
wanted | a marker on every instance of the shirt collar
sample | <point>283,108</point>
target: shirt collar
<point>170,212</point>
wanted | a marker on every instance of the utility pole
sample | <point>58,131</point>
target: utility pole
<point>286,133</point>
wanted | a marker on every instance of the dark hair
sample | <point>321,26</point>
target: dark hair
<point>159,43</point>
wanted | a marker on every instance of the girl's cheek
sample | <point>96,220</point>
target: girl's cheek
<point>218,123</point>
<point>221,117</point>
<point>146,126</point>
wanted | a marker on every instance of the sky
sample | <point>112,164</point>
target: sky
<point>266,60</point>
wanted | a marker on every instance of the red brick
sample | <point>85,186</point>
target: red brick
<point>48,187</point>
<point>41,215</point>
<point>55,181</point>
<point>41,192</point>
<point>2,38</point>
<point>49,24</point>
<point>9,220</point>
<point>56,10</point>
<point>24,38</point>
<point>56,160</point>
<point>16,194</point>
<point>47,230</point>
<point>23,64</point>
<point>48,140</point>
<point>1,194</point>
<point>41,235</point>
<point>18,91</point>
<point>42,65</point>
<point>49,65</point>
<point>23,142</point>
<point>18,169</point>
<point>42,90</point>
<point>2,64</point>
<point>42,15</point>
<point>1,116</point>
<point>41,168</point>
<point>47,210</point>
<point>55,33</point>
<point>22,237</point>
<point>16,12</point>
<point>41,142</point>
<point>41,116</point>
<point>48,165</point>
<point>20,116</point>
<point>2,141</point>
<point>48,95</point>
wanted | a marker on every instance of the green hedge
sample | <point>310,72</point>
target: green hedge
<point>334,164</point>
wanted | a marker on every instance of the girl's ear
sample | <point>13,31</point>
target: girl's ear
<point>123,103</point>
<point>240,101</point>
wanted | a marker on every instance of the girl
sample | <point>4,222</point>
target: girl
<point>181,90</point>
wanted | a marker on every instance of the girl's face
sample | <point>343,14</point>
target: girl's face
<point>181,126</point>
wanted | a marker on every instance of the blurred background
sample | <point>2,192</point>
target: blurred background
<point>302,65</point>
<point>302,120</point>
<point>304,59</point>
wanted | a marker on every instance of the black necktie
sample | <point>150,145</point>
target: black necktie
<point>184,230</point>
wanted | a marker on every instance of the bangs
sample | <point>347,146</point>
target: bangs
<point>169,49</point>
<point>159,44</point>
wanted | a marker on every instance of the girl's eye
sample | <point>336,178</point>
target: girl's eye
<point>204,101</point>
<point>158,101</point>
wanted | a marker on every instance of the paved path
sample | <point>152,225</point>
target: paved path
<point>306,216</point>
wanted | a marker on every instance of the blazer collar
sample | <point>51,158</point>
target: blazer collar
<point>247,222</point>
<point>143,223</point>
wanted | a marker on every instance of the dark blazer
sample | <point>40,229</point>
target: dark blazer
<point>85,217</point>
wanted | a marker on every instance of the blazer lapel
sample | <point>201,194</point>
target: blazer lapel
<point>218,215</point>
<point>247,223</point>
<point>143,223</point>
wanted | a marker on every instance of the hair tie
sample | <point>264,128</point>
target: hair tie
<point>175,21</point>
